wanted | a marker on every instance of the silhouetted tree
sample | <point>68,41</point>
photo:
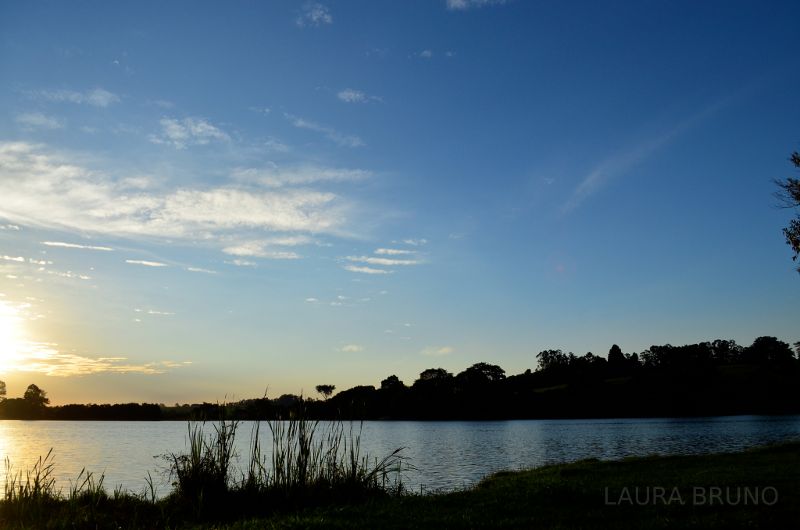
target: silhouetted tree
<point>726,351</point>
<point>2,390</point>
<point>549,359</point>
<point>35,396</point>
<point>789,195</point>
<point>326,390</point>
<point>615,356</point>
<point>435,375</point>
<point>481,373</point>
<point>392,383</point>
<point>768,350</point>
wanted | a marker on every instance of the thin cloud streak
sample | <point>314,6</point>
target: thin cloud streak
<point>36,120</point>
<point>343,140</point>
<point>275,177</point>
<point>199,269</point>
<point>146,263</point>
<point>61,244</point>
<point>463,5</point>
<point>624,161</point>
<point>366,270</point>
<point>382,261</point>
<point>98,97</point>
<point>394,252</point>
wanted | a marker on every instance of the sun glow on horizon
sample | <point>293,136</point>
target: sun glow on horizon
<point>14,345</point>
<point>20,353</point>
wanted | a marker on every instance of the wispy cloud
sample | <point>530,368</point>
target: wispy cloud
<point>265,248</point>
<point>66,274</point>
<point>274,145</point>
<point>415,242</point>
<point>21,259</point>
<point>189,131</point>
<point>42,189</point>
<point>314,14</point>
<point>351,95</point>
<point>389,262</point>
<point>626,159</point>
<point>61,244</point>
<point>97,97</point>
<point>48,360</point>
<point>277,177</point>
<point>394,252</point>
<point>437,351</point>
<point>9,227</point>
<point>162,103</point>
<point>366,270</point>
<point>426,54</point>
<point>36,120</point>
<point>344,140</point>
<point>198,269</point>
<point>154,312</point>
<point>256,251</point>
<point>146,263</point>
<point>242,263</point>
<point>463,5</point>
<point>351,348</point>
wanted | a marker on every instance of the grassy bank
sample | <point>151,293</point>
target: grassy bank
<point>759,488</point>
<point>576,496</point>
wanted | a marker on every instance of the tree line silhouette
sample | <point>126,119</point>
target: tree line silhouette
<point>707,378</point>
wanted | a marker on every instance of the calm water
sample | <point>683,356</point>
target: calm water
<point>446,454</point>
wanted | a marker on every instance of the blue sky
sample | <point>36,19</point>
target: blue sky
<point>205,199</point>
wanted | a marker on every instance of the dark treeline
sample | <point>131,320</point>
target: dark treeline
<point>709,378</point>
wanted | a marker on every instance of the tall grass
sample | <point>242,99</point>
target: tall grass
<point>31,500</point>
<point>203,475</point>
<point>30,492</point>
<point>310,458</point>
<point>311,463</point>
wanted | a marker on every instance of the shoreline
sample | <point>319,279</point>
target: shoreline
<point>687,491</point>
<point>422,420</point>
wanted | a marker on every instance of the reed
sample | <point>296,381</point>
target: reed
<point>311,463</point>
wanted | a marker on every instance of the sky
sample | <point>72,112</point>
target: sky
<point>203,201</point>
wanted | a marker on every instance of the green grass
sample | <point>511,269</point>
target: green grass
<point>317,491</point>
<point>574,496</point>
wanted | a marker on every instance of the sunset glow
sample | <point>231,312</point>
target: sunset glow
<point>298,196</point>
<point>11,340</point>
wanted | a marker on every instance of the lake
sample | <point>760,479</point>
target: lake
<point>447,455</point>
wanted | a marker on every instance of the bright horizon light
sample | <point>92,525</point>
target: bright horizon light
<point>17,351</point>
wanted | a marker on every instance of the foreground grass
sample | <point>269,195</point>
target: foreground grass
<point>311,465</point>
<point>561,496</point>
<point>574,496</point>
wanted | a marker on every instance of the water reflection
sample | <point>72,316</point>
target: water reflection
<point>446,454</point>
